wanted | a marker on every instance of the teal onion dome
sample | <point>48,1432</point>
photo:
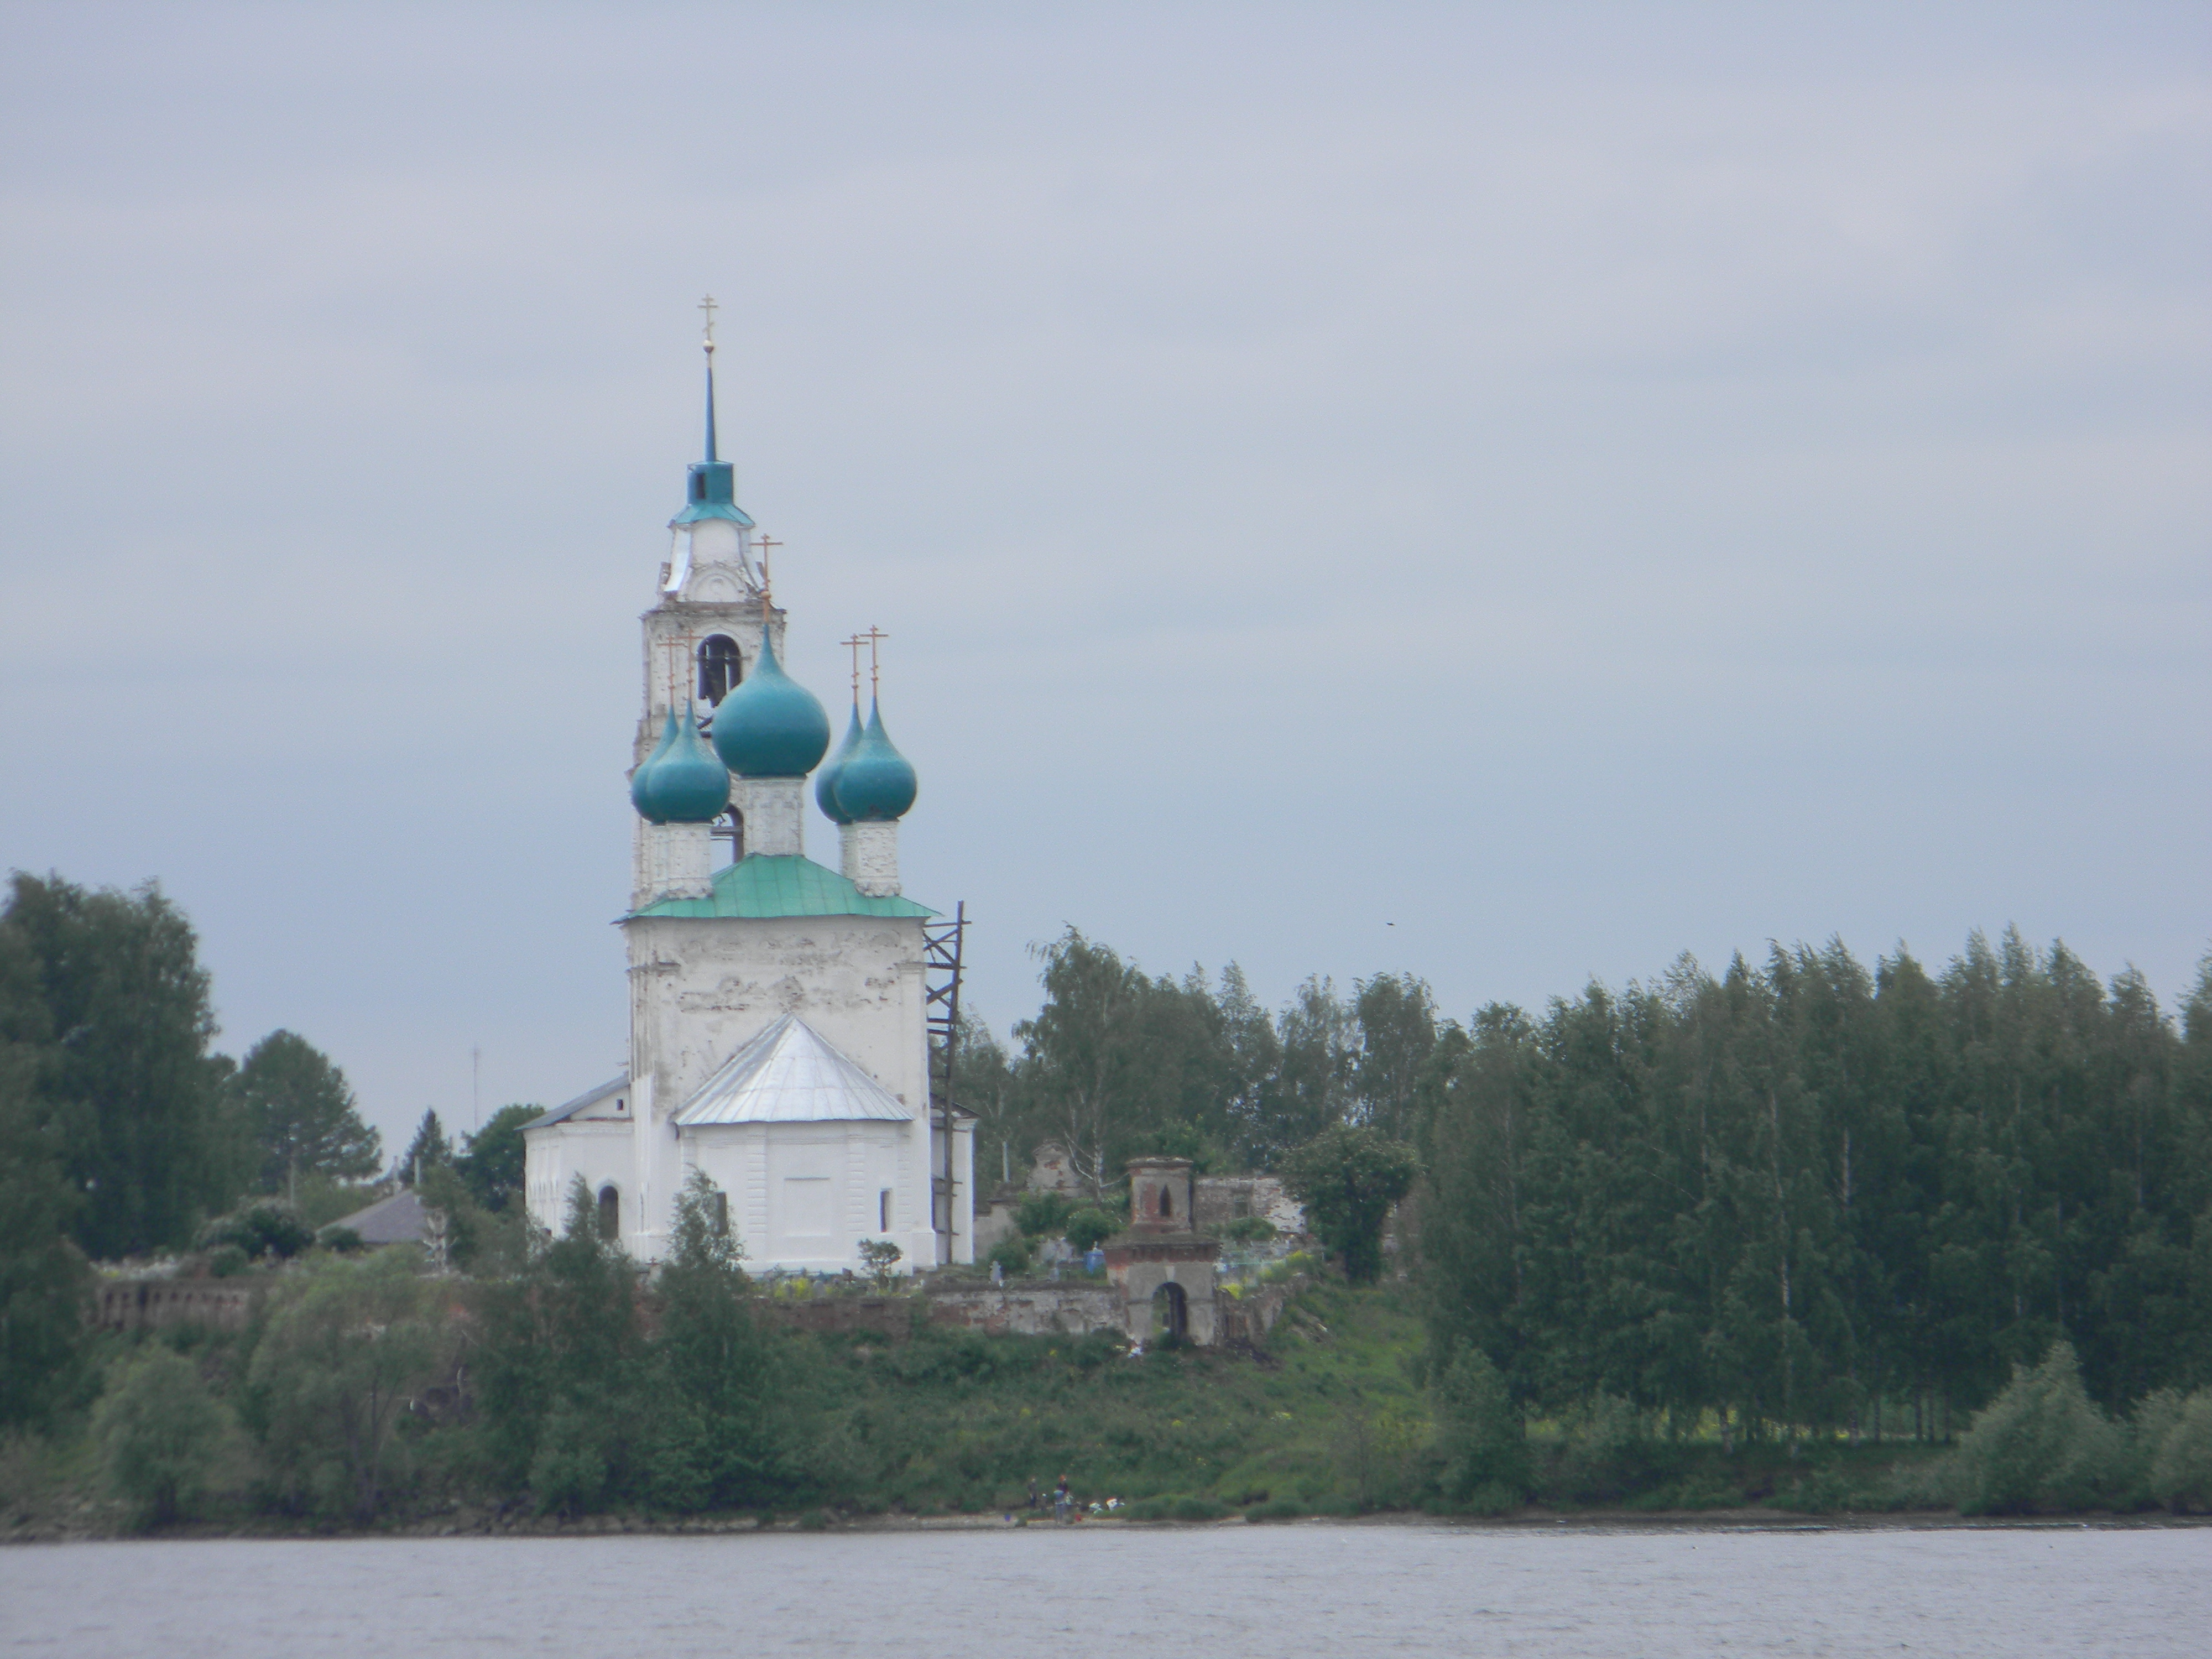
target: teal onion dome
<point>825,781</point>
<point>681,782</point>
<point>876,784</point>
<point>641,780</point>
<point>770,725</point>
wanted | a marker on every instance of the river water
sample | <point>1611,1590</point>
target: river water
<point>1280,1591</point>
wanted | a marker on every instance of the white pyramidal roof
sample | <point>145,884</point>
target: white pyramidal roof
<point>789,1074</point>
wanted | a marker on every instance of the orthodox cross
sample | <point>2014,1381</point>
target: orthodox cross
<point>854,645</point>
<point>764,544</point>
<point>875,636</point>
<point>708,306</point>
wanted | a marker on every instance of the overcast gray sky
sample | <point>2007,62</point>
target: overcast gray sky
<point>1507,493</point>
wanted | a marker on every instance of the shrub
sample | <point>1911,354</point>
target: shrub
<point>344,1240</point>
<point>1276,1509</point>
<point>1009,1255</point>
<point>2039,1446</point>
<point>1089,1227</point>
<point>1042,1215</point>
<point>1246,1230</point>
<point>269,1227</point>
<point>161,1434</point>
<point>227,1261</point>
<point>2181,1468</point>
<point>1480,1433</point>
<point>344,1352</point>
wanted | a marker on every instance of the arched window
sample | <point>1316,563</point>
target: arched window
<point>1167,1199</point>
<point>719,667</point>
<point>609,1213</point>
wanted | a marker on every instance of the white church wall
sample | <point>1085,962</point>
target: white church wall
<point>700,987</point>
<point>804,1196</point>
<point>600,1151</point>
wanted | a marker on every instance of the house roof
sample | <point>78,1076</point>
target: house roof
<point>790,1074</point>
<point>784,884</point>
<point>588,1099</point>
<point>398,1219</point>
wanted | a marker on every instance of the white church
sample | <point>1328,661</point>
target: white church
<point>779,1019</point>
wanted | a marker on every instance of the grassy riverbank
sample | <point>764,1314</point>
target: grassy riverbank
<point>1327,1417</point>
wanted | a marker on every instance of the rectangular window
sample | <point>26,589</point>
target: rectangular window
<point>721,1215</point>
<point>884,1211</point>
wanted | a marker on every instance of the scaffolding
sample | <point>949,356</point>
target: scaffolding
<point>941,948</point>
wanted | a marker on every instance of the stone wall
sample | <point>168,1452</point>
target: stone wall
<point>1019,1308</point>
<point>132,1304</point>
<point>1216,1199</point>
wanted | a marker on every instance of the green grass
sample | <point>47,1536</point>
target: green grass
<point>1326,1417</point>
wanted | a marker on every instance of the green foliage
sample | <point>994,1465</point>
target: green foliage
<point>429,1150</point>
<point>1479,1435</point>
<point>881,1257</point>
<point>346,1349</point>
<point>1012,1256</point>
<point>160,1435</point>
<point>103,997</point>
<point>1793,1193</point>
<point>563,1370</point>
<point>1397,1019</point>
<point>490,1243</point>
<point>267,1227</point>
<point>715,1442</point>
<point>1348,1179</point>
<point>1245,1229</point>
<point>302,1115</point>
<point>1089,1227</point>
<point>491,1160</point>
<point>2040,1447</point>
<point>1043,1215</point>
<point>43,1278</point>
<point>2179,1473</point>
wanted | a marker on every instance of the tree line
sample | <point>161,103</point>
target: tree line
<point>124,1133</point>
<point>1786,1196</point>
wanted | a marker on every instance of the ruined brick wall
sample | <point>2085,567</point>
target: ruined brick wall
<point>132,1304</point>
<point>1020,1307</point>
<point>1217,1198</point>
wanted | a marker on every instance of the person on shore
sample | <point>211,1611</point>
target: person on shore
<point>1034,1495</point>
<point>1061,1501</point>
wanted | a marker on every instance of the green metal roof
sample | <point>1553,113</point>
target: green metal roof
<point>784,884</point>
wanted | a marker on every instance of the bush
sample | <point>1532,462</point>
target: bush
<point>1246,1230</point>
<point>161,1434</point>
<point>344,1240</point>
<point>345,1351</point>
<point>1609,1452</point>
<point>1089,1227</point>
<point>2180,1473</point>
<point>1011,1256</point>
<point>2039,1447</point>
<point>1480,1433</point>
<point>269,1227</point>
<point>1042,1215</point>
<point>1276,1509</point>
<point>227,1261</point>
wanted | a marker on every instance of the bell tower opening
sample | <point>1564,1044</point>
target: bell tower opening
<point>719,667</point>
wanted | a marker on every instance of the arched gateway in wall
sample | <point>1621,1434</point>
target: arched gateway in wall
<point>1159,1257</point>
